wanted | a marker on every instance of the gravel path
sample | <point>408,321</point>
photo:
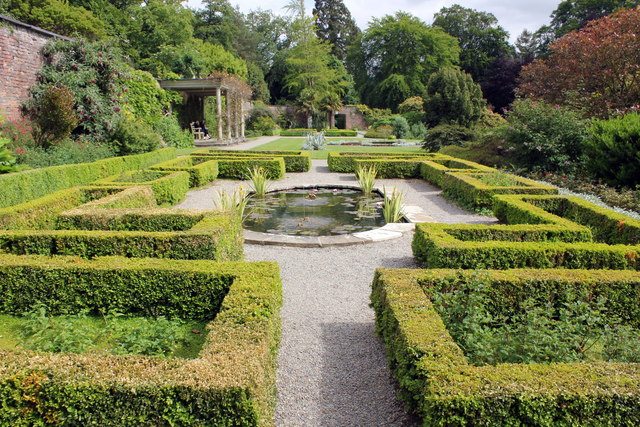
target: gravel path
<point>332,368</point>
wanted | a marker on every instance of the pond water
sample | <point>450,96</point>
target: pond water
<point>314,212</point>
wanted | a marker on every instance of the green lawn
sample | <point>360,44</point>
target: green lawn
<point>296,143</point>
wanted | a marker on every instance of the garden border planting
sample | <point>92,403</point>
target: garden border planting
<point>443,389</point>
<point>232,382</point>
<point>170,188</point>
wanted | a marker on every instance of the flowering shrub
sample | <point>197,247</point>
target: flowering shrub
<point>18,132</point>
<point>70,151</point>
<point>6,159</point>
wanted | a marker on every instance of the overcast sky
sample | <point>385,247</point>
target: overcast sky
<point>513,15</point>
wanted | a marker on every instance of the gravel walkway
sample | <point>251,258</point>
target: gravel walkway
<point>332,368</point>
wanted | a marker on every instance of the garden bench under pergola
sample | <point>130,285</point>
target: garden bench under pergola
<point>232,88</point>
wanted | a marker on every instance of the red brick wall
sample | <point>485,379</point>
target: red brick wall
<point>20,60</point>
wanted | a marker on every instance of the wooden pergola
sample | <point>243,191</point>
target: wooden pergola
<point>235,90</point>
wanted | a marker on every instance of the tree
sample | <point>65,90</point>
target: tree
<point>57,16</point>
<point>596,69</point>
<point>218,23</point>
<point>571,15</point>
<point>501,80</point>
<point>335,25</point>
<point>393,58</point>
<point>451,97</point>
<point>271,31</point>
<point>480,37</point>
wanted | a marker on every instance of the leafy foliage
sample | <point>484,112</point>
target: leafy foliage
<point>171,132</point>
<point>133,137</point>
<point>67,152</point>
<point>445,135</point>
<point>54,116</point>
<point>546,137</point>
<point>387,70</point>
<point>93,72</point>
<point>401,128</point>
<point>540,332</point>
<point>7,161</point>
<point>595,70</point>
<point>613,150</point>
<point>481,39</point>
<point>571,15</point>
<point>451,97</point>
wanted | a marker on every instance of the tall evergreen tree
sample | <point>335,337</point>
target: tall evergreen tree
<point>335,25</point>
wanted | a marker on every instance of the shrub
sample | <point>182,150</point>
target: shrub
<point>171,132</point>
<point>54,115</point>
<point>259,111</point>
<point>445,135</point>
<point>401,129</point>
<point>546,137</point>
<point>340,132</point>
<point>263,125</point>
<point>613,150</point>
<point>19,133</point>
<point>451,97</point>
<point>169,187</point>
<point>375,134</point>
<point>70,151</point>
<point>93,72</point>
<point>419,131</point>
<point>133,137</point>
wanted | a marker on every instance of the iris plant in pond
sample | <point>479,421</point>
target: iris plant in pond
<point>366,177</point>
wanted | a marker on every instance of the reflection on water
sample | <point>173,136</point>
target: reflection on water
<point>314,212</point>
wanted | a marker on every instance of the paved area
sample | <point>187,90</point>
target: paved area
<point>332,368</point>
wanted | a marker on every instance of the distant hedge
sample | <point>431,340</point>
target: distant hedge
<point>232,382</point>
<point>168,187</point>
<point>24,186</point>
<point>295,161</point>
<point>200,173</point>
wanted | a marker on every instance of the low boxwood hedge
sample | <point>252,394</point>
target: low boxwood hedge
<point>232,382</point>
<point>391,168</point>
<point>340,132</point>
<point>443,389</point>
<point>345,161</point>
<point>433,171</point>
<point>134,233</point>
<point>607,226</point>
<point>41,213</point>
<point>168,187</point>
<point>294,161</point>
<point>296,132</point>
<point>24,186</point>
<point>469,189</point>
<point>200,173</point>
<point>445,246</point>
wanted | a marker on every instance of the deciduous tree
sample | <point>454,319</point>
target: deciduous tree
<point>596,69</point>
<point>451,97</point>
<point>393,58</point>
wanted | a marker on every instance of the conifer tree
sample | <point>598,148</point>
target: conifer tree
<point>335,25</point>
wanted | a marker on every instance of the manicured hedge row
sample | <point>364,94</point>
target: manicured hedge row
<point>215,237</point>
<point>24,186</point>
<point>374,134</point>
<point>238,168</point>
<point>199,173</point>
<point>294,161</point>
<point>345,161</point>
<point>607,226</point>
<point>232,382</point>
<point>469,190</point>
<point>129,219</point>
<point>436,246</point>
<point>340,132</point>
<point>168,187</point>
<point>433,171</point>
<point>296,132</point>
<point>391,168</point>
<point>40,214</point>
<point>443,389</point>
<point>140,196</point>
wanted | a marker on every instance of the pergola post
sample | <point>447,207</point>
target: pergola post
<point>242,124</point>
<point>229,137</point>
<point>219,111</point>
<point>236,116</point>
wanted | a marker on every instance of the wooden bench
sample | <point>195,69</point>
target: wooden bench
<point>197,132</point>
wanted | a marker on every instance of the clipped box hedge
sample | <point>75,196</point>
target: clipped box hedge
<point>21,187</point>
<point>521,246</point>
<point>340,132</point>
<point>138,233</point>
<point>469,190</point>
<point>238,167</point>
<point>607,226</point>
<point>345,161</point>
<point>294,161</point>
<point>443,389</point>
<point>168,187</point>
<point>391,168</point>
<point>200,173</point>
<point>296,132</point>
<point>232,382</point>
<point>433,171</point>
<point>41,213</point>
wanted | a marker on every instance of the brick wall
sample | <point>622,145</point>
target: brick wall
<point>20,60</point>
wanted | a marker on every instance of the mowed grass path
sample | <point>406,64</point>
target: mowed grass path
<point>292,143</point>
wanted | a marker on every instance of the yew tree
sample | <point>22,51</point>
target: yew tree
<point>595,69</point>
